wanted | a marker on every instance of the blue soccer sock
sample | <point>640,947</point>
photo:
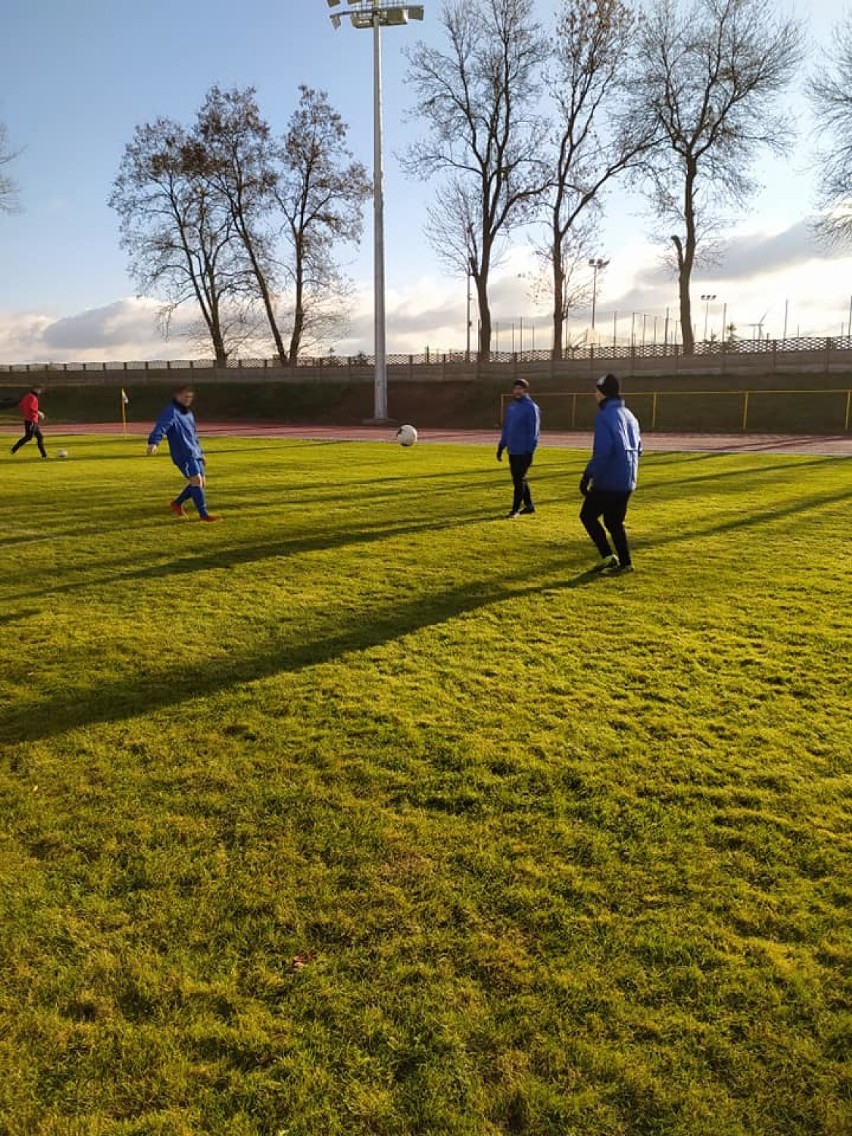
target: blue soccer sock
<point>185,496</point>
<point>198,499</point>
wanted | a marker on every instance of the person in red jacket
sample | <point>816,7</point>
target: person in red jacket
<point>32,418</point>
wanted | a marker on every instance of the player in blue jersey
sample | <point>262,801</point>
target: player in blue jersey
<point>177,425</point>
<point>610,477</point>
<point>521,423</point>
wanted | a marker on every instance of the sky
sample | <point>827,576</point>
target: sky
<point>79,78</point>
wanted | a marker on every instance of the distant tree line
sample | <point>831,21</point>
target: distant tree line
<point>523,126</point>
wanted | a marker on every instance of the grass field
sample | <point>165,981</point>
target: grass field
<point>369,813</point>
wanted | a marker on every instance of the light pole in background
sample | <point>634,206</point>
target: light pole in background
<point>707,297</point>
<point>596,263</point>
<point>469,321</point>
<point>377,15</point>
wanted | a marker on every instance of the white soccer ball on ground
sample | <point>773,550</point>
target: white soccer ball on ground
<point>406,435</point>
<point>62,453</point>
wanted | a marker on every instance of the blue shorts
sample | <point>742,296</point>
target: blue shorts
<point>194,467</point>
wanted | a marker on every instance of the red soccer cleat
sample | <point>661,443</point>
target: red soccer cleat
<point>210,517</point>
<point>178,510</point>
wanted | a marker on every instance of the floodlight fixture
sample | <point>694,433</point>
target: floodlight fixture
<point>378,14</point>
<point>596,263</point>
<point>370,13</point>
<point>707,297</point>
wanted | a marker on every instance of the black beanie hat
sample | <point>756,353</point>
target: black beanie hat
<point>608,386</point>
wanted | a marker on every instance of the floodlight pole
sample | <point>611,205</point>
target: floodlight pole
<point>467,342</point>
<point>380,396</point>
<point>374,14</point>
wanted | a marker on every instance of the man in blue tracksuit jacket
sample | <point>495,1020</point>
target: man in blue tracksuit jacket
<point>177,425</point>
<point>610,476</point>
<point>521,423</point>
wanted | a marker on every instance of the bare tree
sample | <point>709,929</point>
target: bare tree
<point>321,192</point>
<point>478,99</point>
<point>830,91</point>
<point>233,153</point>
<point>591,143</point>
<point>8,187</point>
<point>708,76</point>
<point>180,240</point>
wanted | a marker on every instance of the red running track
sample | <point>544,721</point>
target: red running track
<point>839,445</point>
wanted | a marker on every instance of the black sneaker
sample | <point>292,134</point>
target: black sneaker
<point>618,569</point>
<point>527,509</point>
<point>606,565</point>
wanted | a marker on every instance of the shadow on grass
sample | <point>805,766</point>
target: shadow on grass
<point>258,500</point>
<point>675,457</point>
<point>384,489</point>
<point>18,616</point>
<point>81,451</point>
<point>777,444</point>
<point>125,697</point>
<point>748,520</point>
<point>230,557</point>
<point>745,476</point>
<point>361,533</point>
<point>264,442</point>
<point>32,538</point>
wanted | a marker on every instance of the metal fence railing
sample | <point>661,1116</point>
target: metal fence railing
<point>768,350</point>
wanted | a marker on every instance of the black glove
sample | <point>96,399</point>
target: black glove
<point>584,484</point>
<point>499,453</point>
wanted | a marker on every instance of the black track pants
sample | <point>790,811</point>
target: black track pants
<point>519,464</point>
<point>31,430</point>
<point>613,508</point>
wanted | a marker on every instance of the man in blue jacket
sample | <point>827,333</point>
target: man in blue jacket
<point>521,422</point>
<point>610,477</point>
<point>177,425</point>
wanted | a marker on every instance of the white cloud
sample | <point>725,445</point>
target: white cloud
<point>114,326</point>
<point>123,331</point>
<point>772,251</point>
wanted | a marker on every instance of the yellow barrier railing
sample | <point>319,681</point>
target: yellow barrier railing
<point>656,396</point>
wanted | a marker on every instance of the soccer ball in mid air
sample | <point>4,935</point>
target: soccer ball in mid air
<point>406,435</point>
<point>62,453</point>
